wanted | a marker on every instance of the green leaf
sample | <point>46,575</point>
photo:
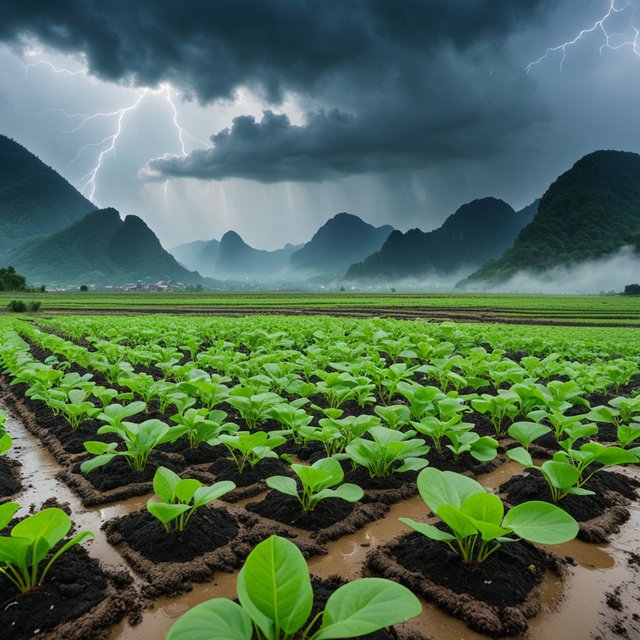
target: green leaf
<point>274,587</point>
<point>484,507</point>
<point>205,495</point>
<point>561,475</point>
<point>219,618</point>
<point>52,524</point>
<point>7,511</point>
<point>165,482</point>
<point>349,492</point>
<point>98,461</point>
<point>185,489</point>
<point>521,455</point>
<point>166,512</point>
<point>445,488</point>
<point>283,484</point>
<point>541,522</point>
<point>457,521</point>
<point>365,606</point>
<point>526,432</point>
<point>428,530</point>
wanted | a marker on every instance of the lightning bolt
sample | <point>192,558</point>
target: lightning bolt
<point>599,26</point>
<point>88,183</point>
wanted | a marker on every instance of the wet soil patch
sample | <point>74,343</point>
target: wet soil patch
<point>495,597</point>
<point>226,469</point>
<point>332,518</point>
<point>10,482</point>
<point>598,515</point>
<point>207,530</point>
<point>77,600</point>
<point>213,547</point>
<point>117,473</point>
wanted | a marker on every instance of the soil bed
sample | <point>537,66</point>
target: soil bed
<point>77,600</point>
<point>495,597</point>
<point>465,464</point>
<point>214,540</point>
<point>10,482</point>
<point>599,515</point>
<point>332,518</point>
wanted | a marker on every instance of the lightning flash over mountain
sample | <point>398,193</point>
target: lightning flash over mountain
<point>613,40</point>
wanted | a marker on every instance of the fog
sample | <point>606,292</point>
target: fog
<point>606,274</point>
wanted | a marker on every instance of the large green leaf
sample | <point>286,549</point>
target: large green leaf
<point>283,484</point>
<point>609,455</point>
<point>526,432</point>
<point>204,495</point>
<point>166,512</point>
<point>219,618</point>
<point>541,522</point>
<point>445,487</point>
<point>274,587</point>
<point>521,455</point>
<point>7,511</point>
<point>52,524</point>
<point>365,606</point>
<point>428,530</point>
<point>561,475</point>
<point>165,482</point>
<point>484,507</point>
<point>349,492</point>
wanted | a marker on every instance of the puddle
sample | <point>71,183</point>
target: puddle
<point>573,610</point>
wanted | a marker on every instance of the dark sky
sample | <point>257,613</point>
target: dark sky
<point>270,116</point>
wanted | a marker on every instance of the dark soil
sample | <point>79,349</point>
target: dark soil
<point>445,462</point>
<point>505,579</point>
<point>532,486</point>
<point>207,530</point>
<point>9,477</point>
<point>226,469</point>
<point>74,585</point>
<point>322,591</point>
<point>361,477</point>
<point>117,473</point>
<point>200,455</point>
<point>287,509</point>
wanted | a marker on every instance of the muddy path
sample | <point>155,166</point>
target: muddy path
<point>598,598</point>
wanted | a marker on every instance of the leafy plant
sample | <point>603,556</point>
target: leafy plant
<point>178,498</point>
<point>386,448</point>
<point>139,441</point>
<point>250,448</point>
<point>482,448</point>
<point>477,526</point>
<point>318,481</point>
<point>23,553</point>
<point>203,425</point>
<point>526,432</point>
<point>254,407</point>
<point>499,408</point>
<point>276,599</point>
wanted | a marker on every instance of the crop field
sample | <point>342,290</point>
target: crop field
<point>604,310</point>
<point>281,476</point>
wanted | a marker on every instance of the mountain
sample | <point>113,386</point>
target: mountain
<point>200,255</point>
<point>476,232</point>
<point>101,248</point>
<point>236,259</point>
<point>591,210</point>
<point>338,243</point>
<point>34,199</point>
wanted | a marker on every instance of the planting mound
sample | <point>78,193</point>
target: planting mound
<point>207,530</point>
<point>495,597</point>
<point>9,477</point>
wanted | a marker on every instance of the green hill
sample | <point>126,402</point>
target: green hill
<point>476,232</point>
<point>338,243</point>
<point>101,248</point>
<point>34,199</point>
<point>590,211</point>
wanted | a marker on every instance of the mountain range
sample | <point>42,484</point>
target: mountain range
<point>51,234</point>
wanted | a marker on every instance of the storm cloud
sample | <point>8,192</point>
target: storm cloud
<point>389,85</point>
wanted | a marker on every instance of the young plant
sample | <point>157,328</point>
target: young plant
<point>477,526</point>
<point>24,551</point>
<point>139,441</point>
<point>566,473</point>
<point>254,407</point>
<point>386,448</point>
<point>114,414</point>
<point>526,432</point>
<point>395,416</point>
<point>178,498</point>
<point>421,399</point>
<point>293,418</point>
<point>482,448</point>
<point>339,432</point>
<point>276,599</point>
<point>249,448</point>
<point>319,481</point>
<point>203,425</point>
<point>500,408</point>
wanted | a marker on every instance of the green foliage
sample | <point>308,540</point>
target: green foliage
<point>24,552</point>
<point>318,481</point>
<point>477,525</point>
<point>276,599</point>
<point>249,448</point>
<point>179,498</point>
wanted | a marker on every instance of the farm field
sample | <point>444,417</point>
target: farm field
<point>490,469</point>
<point>606,310</point>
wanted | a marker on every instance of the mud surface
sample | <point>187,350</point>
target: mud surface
<point>206,530</point>
<point>74,585</point>
<point>505,579</point>
<point>287,509</point>
<point>533,486</point>
<point>10,481</point>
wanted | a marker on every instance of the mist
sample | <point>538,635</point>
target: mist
<point>602,275</point>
